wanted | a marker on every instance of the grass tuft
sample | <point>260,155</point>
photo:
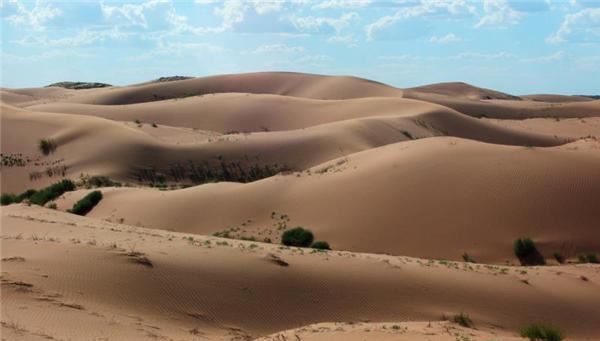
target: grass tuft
<point>542,332</point>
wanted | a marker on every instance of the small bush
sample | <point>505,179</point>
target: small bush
<point>468,258</point>
<point>138,122</point>
<point>321,245</point>
<point>52,206</point>
<point>542,332</point>
<point>297,236</point>
<point>154,125</point>
<point>52,192</point>
<point>527,252</point>
<point>46,146</point>
<point>83,206</point>
<point>99,181</point>
<point>8,198</point>
<point>463,320</point>
<point>589,257</point>
<point>559,257</point>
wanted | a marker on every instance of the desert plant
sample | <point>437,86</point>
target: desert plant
<point>321,245</point>
<point>589,257</point>
<point>154,125</point>
<point>542,332</point>
<point>559,257</point>
<point>8,198</point>
<point>52,192</point>
<point>83,206</point>
<point>52,206</point>
<point>297,236</point>
<point>468,258</point>
<point>46,146</point>
<point>527,252</point>
<point>463,320</point>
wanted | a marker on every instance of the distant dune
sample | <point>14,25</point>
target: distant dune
<point>207,173</point>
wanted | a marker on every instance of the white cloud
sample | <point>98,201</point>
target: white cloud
<point>311,23</point>
<point>278,48</point>
<point>46,55</point>
<point>498,13</point>
<point>448,38</point>
<point>35,18</point>
<point>133,13</point>
<point>178,49</point>
<point>559,55</point>
<point>83,37</point>
<point>424,8</point>
<point>342,39</point>
<point>328,4</point>
<point>583,25</point>
<point>477,55</point>
<point>232,12</point>
<point>263,7</point>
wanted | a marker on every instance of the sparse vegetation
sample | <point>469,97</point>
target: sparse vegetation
<point>210,171</point>
<point>52,192</point>
<point>321,245</point>
<point>154,125</point>
<point>463,320</point>
<point>468,258</point>
<point>542,332</point>
<point>46,146</point>
<point>297,236</point>
<point>559,257</point>
<point>98,181</point>
<point>527,252</point>
<point>589,257</point>
<point>83,206</point>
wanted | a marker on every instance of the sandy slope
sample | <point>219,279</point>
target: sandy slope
<point>90,145</point>
<point>506,109</point>
<point>435,197</point>
<point>74,280</point>
<point>460,89</point>
<point>280,83</point>
<point>556,98</point>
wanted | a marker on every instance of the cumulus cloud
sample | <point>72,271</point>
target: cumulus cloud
<point>498,13</point>
<point>278,48</point>
<point>329,4</point>
<point>312,23</point>
<point>446,39</point>
<point>559,55</point>
<point>134,14</point>
<point>34,18</point>
<point>580,26</point>
<point>423,9</point>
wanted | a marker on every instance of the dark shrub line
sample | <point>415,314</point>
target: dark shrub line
<point>527,252</point>
<point>542,332</point>
<point>42,196</point>
<point>85,205</point>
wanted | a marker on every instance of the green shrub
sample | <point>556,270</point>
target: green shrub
<point>99,181</point>
<point>297,236</point>
<point>46,146</point>
<point>559,257</point>
<point>52,206</point>
<point>8,198</point>
<point>589,257</point>
<point>542,332</point>
<point>463,320</point>
<point>321,245</point>
<point>468,258</point>
<point>83,206</point>
<point>527,252</point>
<point>52,192</point>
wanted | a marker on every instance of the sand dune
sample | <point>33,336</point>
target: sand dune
<point>480,193</point>
<point>550,98</point>
<point>460,89</point>
<point>280,83</point>
<point>382,174</point>
<point>231,290</point>
<point>123,150</point>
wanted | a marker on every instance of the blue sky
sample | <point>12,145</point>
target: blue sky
<point>517,46</point>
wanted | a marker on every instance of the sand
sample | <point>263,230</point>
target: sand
<point>400,182</point>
